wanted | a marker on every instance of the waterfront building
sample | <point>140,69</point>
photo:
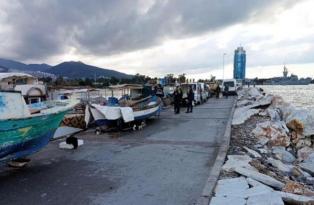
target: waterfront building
<point>239,64</point>
<point>32,90</point>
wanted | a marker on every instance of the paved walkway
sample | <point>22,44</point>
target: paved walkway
<point>166,163</point>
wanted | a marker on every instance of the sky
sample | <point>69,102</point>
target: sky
<point>157,37</point>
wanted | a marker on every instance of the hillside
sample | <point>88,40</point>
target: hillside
<point>71,69</point>
<point>74,69</point>
<point>15,65</point>
<point>3,69</point>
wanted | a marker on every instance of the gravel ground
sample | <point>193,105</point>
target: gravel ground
<point>241,135</point>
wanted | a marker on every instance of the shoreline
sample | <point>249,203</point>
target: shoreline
<point>272,145</point>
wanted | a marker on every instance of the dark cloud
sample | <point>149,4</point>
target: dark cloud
<point>42,28</point>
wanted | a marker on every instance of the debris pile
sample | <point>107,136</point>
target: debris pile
<point>271,154</point>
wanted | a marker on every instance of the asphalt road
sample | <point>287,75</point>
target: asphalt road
<point>166,163</point>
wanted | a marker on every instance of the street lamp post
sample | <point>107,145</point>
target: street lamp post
<point>223,65</point>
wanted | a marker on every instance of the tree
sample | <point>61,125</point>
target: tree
<point>182,78</point>
<point>139,79</point>
<point>170,79</point>
<point>46,79</point>
<point>59,81</point>
<point>114,81</point>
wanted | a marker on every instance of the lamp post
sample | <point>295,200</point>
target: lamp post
<point>223,65</point>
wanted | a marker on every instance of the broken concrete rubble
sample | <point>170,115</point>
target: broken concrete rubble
<point>278,139</point>
<point>279,165</point>
<point>300,121</point>
<point>252,153</point>
<point>296,199</point>
<point>276,132</point>
<point>227,200</point>
<point>265,199</point>
<point>262,141</point>
<point>242,103</point>
<point>304,153</point>
<point>239,190</point>
<point>235,187</point>
<point>310,180</point>
<point>298,172</point>
<point>256,191</point>
<point>274,114</point>
<point>262,102</point>
<point>310,158</point>
<point>242,114</point>
<point>308,167</point>
<point>282,154</point>
<point>303,142</point>
<point>253,92</point>
<point>254,183</point>
<point>260,177</point>
<point>294,187</point>
<point>237,161</point>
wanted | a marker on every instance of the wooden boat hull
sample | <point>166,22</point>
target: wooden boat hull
<point>25,136</point>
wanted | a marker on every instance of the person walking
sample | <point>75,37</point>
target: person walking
<point>226,90</point>
<point>190,99</point>
<point>217,91</point>
<point>180,96</point>
<point>177,96</point>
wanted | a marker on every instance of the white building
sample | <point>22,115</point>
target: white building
<point>32,90</point>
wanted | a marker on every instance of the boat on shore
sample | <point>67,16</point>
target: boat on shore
<point>132,106</point>
<point>23,132</point>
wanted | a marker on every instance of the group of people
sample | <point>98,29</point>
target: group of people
<point>177,98</point>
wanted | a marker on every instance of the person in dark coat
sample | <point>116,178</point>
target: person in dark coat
<point>217,91</point>
<point>177,97</point>
<point>226,91</point>
<point>159,91</point>
<point>180,95</point>
<point>190,99</point>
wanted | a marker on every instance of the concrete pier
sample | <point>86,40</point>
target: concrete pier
<point>167,163</point>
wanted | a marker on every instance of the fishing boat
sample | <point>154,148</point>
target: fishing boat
<point>23,132</point>
<point>132,106</point>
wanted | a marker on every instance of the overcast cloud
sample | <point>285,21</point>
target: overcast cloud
<point>154,36</point>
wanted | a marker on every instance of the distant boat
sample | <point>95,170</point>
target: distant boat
<point>23,133</point>
<point>288,80</point>
<point>131,107</point>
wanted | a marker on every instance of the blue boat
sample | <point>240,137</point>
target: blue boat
<point>23,133</point>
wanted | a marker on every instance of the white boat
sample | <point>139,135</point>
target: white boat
<point>127,108</point>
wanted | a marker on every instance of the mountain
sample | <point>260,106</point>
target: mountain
<point>74,69</point>
<point>71,69</point>
<point>4,69</point>
<point>39,67</point>
<point>18,66</point>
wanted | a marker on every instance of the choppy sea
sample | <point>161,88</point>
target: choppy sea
<point>301,96</point>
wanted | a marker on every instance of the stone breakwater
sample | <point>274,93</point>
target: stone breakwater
<point>271,155</point>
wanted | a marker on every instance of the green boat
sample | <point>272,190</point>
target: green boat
<point>23,133</point>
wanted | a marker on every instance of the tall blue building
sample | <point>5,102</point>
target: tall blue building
<point>239,64</point>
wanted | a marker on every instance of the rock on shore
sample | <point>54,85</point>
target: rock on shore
<point>271,154</point>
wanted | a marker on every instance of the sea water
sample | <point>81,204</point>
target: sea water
<point>301,96</point>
